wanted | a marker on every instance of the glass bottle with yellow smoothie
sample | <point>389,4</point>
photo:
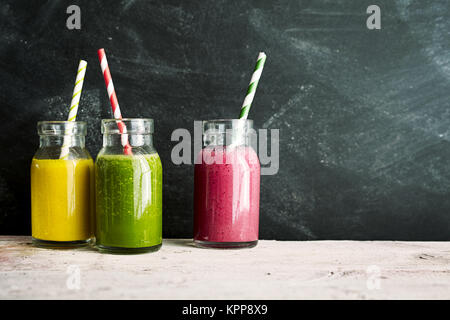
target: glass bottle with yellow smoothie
<point>62,197</point>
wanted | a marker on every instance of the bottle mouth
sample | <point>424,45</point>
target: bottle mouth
<point>136,126</point>
<point>62,128</point>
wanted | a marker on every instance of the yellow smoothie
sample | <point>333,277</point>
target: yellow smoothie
<point>62,199</point>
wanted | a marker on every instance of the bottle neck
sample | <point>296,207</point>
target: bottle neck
<point>135,140</point>
<point>228,132</point>
<point>60,140</point>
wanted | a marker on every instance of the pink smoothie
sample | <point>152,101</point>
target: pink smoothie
<point>226,195</point>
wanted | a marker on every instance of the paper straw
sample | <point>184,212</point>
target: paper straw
<point>252,86</point>
<point>76,95</point>
<point>113,99</point>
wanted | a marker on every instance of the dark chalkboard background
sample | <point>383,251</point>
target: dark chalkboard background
<point>364,115</point>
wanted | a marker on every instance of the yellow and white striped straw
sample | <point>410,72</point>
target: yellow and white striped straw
<point>74,106</point>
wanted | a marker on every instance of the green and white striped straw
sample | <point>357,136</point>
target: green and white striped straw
<point>74,106</point>
<point>252,86</point>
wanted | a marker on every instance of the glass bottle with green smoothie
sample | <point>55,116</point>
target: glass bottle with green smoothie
<point>128,178</point>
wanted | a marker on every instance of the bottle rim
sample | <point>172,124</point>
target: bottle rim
<point>228,120</point>
<point>61,128</point>
<point>134,126</point>
<point>61,122</point>
<point>127,119</point>
<point>220,126</point>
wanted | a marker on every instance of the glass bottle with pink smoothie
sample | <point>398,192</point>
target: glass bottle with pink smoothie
<point>227,184</point>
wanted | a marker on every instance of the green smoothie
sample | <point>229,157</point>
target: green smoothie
<point>128,201</point>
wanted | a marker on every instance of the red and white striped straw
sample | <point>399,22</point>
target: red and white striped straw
<point>113,99</point>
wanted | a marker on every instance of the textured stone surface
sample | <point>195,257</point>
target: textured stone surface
<point>272,270</point>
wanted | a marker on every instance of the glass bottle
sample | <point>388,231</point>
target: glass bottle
<point>227,186</point>
<point>62,180</point>
<point>128,188</point>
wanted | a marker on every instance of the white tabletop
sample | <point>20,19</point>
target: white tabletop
<point>271,270</point>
